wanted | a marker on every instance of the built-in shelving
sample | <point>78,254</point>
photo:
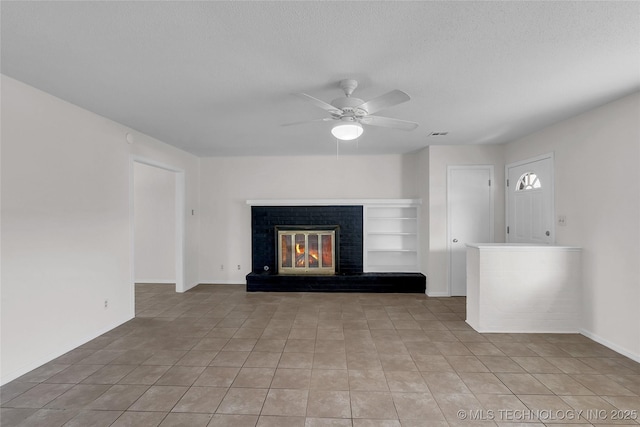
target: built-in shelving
<point>391,238</point>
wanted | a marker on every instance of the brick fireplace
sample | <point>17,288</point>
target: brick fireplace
<point>345,222</point>
<point>267,220</point>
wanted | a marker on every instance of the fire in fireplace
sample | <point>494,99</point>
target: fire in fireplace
<point>307,250</point>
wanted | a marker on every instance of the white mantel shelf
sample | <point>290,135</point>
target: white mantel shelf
<point>331,202</point>
<point>520,247</point>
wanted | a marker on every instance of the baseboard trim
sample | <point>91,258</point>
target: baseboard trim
<point>438,294</point>
<point>30,366</point>
<point>191,286</point>
<point>610,345</point>
<point>222,282</point>
<point>158,281</point>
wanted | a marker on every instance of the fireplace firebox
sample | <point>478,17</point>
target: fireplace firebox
<point>306,252</point>
<point>307,249</point>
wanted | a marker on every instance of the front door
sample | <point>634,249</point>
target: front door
<point>469,218</point>
<point>530,201</point>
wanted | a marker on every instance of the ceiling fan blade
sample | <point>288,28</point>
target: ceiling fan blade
<point>387,100</point>
<point>319,103</point>
<point>326,119</point>
<point>388,122</point>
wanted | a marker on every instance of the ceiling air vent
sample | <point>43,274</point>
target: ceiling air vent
<point>438,133</point>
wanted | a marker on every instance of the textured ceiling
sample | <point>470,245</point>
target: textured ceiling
<point>216,78</point>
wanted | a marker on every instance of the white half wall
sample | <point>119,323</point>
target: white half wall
<point>228,182</point>
<point>154,224</point>
<point>66,224</point>
<point>597,188</point>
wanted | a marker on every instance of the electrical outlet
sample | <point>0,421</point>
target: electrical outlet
<point>221,267</point>
<point>562,220</point>
<point>106,304</point>
<point>238,266</point>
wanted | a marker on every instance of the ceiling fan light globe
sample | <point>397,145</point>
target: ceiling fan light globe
<point>347,131</point>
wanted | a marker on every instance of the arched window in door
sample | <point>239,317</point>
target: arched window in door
<point>528,181</point>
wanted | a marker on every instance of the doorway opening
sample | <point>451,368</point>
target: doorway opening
<point>155,224</point>
<point>177,204</point>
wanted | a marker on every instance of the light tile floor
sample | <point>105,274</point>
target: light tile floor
<point>218,356</point>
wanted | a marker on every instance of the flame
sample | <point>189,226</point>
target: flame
<point>299,249</point>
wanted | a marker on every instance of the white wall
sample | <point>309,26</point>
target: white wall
<point>154,224</point>
<point>227,183</point>
<point>66,224</point>
<point>597,187</point>
<point>439,157</point>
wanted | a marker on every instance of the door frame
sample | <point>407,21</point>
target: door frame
<point>550,156</point>
<point>450,168</point>
<point>180,206</point>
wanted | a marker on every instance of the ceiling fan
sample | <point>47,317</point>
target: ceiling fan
<point>352,113</point>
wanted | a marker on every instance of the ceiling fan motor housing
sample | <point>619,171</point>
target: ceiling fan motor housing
<point>347,104</point>
<point>350,106</point>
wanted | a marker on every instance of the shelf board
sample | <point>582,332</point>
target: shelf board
<point>392,250</point>
<point>393,268</point>
<point>394,218</point>
<point>390,233</point>
<point>369,203</point>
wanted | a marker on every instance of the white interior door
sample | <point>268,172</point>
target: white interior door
<point>469,218</point>
<point>530,201</point>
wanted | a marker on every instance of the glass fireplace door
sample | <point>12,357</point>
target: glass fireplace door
<point>306,252</point>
